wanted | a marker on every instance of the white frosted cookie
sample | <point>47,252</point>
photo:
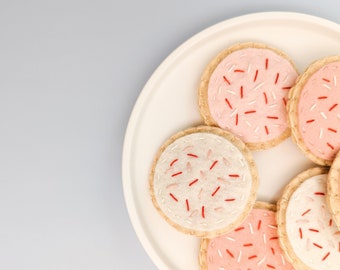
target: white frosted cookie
<point>203,181</point>
<point>244,90</point>
<point>252,245</point>
<point>307,232</point>
<point>333,190</point>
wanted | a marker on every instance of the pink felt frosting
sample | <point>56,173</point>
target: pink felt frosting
<point>247,93</point>
<point>319,112</point>
<point>253,245</point>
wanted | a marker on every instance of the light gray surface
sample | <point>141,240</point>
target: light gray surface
<point>70,72</point>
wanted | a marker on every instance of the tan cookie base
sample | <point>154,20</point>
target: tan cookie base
<point>333,190</point>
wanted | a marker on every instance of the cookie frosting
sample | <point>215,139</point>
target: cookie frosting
<point>319,111</point>
<point>253,245</point>
<point>310,228</point>
<point>247,93</point>
<point>202,182</point>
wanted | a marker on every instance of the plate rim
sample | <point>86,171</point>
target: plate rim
<point>146,91</point>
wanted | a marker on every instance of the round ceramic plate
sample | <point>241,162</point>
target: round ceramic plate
<point>168,104</point>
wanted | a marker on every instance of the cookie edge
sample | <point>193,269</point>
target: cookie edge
<point>333,190</point>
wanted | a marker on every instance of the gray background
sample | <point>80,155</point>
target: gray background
<point>70,73</point>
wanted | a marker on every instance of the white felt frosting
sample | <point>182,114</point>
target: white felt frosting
<point>202,182</point>
<point>310,228</point>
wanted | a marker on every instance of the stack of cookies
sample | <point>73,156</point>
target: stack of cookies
<point>204,180</point>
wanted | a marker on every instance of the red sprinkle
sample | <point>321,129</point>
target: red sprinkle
<point>331,108</point>
<point>230,200</point>
<point>266,63</point>
<point>187,204</point>
<point>241,91</point>
<point>325,257</point>
<point>277,77</point>
<point>271,266</point>
<point>193,182</point>
<point>236,120</point>
<point>313,230</point>
<point>175,174</point>
<point>272,117</point>
<point>227,101</point>
<point>213,164</point>
<point>310,121</point>
<point>266,128</point>
<point>319,193</point>
<point>300,232</point>
<point>192,155</point>
<point>226,80</point>
<point>322,97</point>
<point>203,214</point>
<point>252,257</point>
<point>214,193</point>
<point>331,146</point>
<point>250,245</point>
<point>230,254</point>
<point>238,70</point>
<point>330,222</point>
<point>173,162</point>
<point>259,224</point>
<point>173,196</point>
<point>286,88</point>
<point>248,112</point>
<point>273,251</point>
<point>234,175</point>
<point>239,229</point>
<point>274,238</point>
<point>304,213</point>
<point>265,98</point>
<point>333,130</point>
<point>256,73</point>
<point>284,101</point>
<point>326,80</point>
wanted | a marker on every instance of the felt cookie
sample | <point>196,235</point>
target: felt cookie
<point>333,190</point>
<point>314,114</point>
<point>253,245</point>
<point>307,233</point>
<point>244,90</point>
<point>203,181</point>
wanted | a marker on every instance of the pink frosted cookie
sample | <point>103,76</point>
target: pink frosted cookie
<point>253,245</point>
<point>314,113</point>
<point>307,233</point>
<point>333,190</point>
<point>244,89</point>
<point>203,181</point>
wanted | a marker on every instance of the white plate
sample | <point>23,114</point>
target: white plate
<point>168,103</point>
